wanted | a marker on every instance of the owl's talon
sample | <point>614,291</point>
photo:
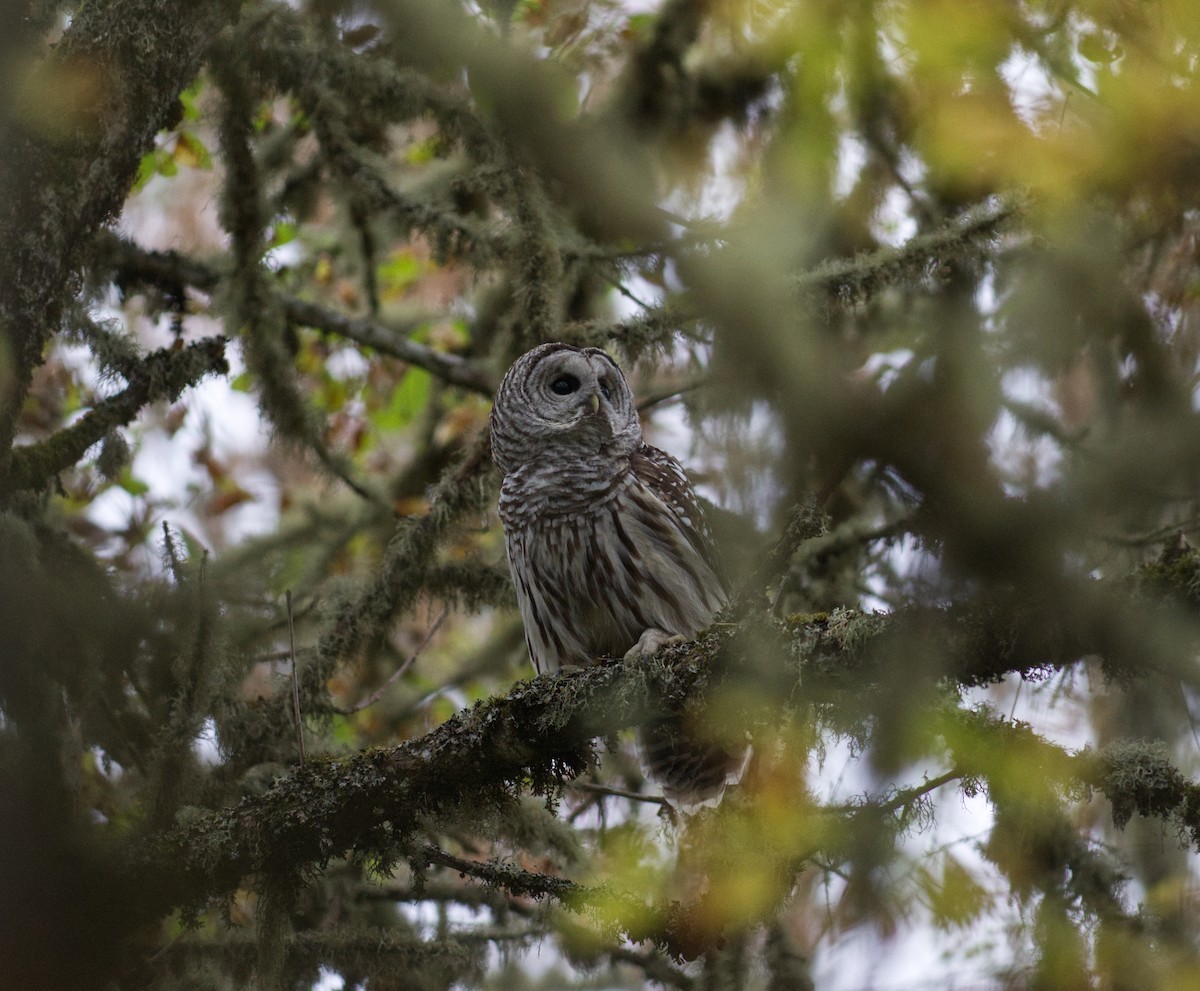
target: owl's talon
<point>651,642</point>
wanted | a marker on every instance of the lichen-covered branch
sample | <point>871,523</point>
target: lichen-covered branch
<point>851,280</point>
<point>63,175</point>
<point>538,736</point>
<point>378,804</point>
<point>134,265</point>
<point>1137,777</point>
<point>164,374</point>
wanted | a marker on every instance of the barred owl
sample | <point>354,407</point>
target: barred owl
<point>608,546</point>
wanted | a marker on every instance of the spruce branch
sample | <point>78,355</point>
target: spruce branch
<point>853,280</point>
<point>59,184</point>
<point>163,374</point>
<point>134,265</point>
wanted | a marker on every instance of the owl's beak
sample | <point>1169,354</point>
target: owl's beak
<point>594,403</point>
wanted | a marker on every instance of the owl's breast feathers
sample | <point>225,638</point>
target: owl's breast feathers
<point>603,551</point>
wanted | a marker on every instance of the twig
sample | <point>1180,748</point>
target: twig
<point>512,878</point>
<point>906,796</point>
<point>619,286</point>
<point>634,796</point>
<point>657,398</point>
<point>379,692</point>
<point>295,681</point>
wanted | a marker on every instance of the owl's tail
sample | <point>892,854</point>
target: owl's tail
<point>692,771</point>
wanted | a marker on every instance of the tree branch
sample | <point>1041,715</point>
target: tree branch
<point>164,374</point>
<point>541,735</point>
<point>858,278</point>
<point>170,269</point>
<point>62,175</point>
<point>1136,776</point>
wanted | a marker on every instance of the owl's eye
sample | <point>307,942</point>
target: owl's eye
<point>564,385</point>
<point>604,390</point>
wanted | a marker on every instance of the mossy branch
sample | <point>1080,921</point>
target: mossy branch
<point>377,804</point>
<point>853,280</point>
<point>163,374</point>
<point>63,175</point>
<point>1137,777</point>
<point>368,803</point>
<point>169,269</point>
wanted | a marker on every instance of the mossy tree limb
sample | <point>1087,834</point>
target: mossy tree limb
<point>133,265</point>
<point>378,804</point>
<point>164,374</point>
<point>63,175</point>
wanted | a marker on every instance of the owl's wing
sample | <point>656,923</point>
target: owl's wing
<point>666,478</point>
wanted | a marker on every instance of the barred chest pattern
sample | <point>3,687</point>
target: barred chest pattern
<point>603,552</point>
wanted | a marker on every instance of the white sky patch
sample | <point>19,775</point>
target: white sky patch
<point>329,981</point>
<point>347,363</point>
<point>884,367</point>
<point>893,223</point>
<point>1025,458</point>
<point>851,157</point>
<point>1032,90</point>
<point>284,256</point>
<point>179,212</point>
<point>205,746</point>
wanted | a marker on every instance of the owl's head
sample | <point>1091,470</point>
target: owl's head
<point>559,398</point>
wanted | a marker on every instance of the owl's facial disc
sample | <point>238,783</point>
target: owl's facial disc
<point>561,397</point>
<point>573,387</point>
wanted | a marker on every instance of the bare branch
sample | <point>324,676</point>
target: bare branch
<point>396,675</point>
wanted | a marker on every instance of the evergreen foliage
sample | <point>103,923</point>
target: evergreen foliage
<point>921,278</point>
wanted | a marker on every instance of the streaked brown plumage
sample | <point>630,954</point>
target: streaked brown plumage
<point>607,543</point>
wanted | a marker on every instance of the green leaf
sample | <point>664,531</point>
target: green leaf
<point>134,486</point>
<point>189,100</point>
<point>400,271</point>
<point>343,731</point>
<point>283,232</point>
<point>640,25</point>
<point>408,399</point>
<point>423,151</point>
<point>147,170</point>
